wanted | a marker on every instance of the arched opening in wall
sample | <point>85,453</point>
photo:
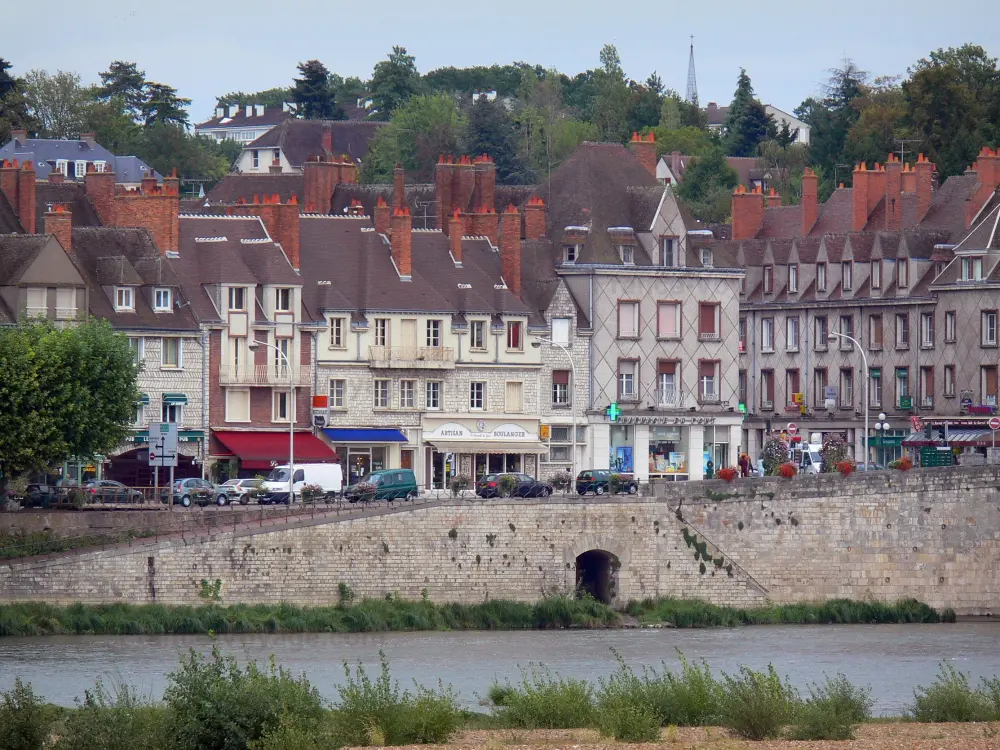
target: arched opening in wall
<point>596,574</point>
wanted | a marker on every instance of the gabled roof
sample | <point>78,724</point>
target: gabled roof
<point>246,185</point>
<point>300,139</point>
<point>271,116</point>
<point>17,252</point>
<point>985,235</point>
<point>44,152</point>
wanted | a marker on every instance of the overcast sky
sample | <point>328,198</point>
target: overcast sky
<point>205,49</point>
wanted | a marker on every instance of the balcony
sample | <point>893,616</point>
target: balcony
<point>412,358</point>
<point>709,336</point>
<point>668,398</point>
<point>709,394</point>
<point>265,375</point>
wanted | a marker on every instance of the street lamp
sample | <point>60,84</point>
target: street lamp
<point>537,344</point>
<point>881,426</point>
<point>833,336</point>
<point>291,418</point>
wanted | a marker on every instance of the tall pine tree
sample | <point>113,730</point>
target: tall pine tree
<point>747,123</point>
<point>313,95</point>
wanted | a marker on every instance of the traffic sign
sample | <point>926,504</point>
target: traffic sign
<point>792,428</point>
<point>163,444</point>
<point>994,423</point>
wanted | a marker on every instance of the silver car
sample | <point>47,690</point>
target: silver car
<point>242,490</point>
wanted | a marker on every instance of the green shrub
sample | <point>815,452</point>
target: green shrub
<point>629,722</point>
<point>215,703</point>
<point>991,689</point>
<point>24,720</point>
<point>950,698</point>
<point>832,710</point>
<point>757,705</point>
<point>544,701</point>
<point>506,485</point>
<point>295,732</point>
<point>114,720</point>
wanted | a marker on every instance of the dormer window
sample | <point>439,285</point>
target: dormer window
<point>793,278</point>
<point>162,301</point>
<point>571,253</point>
<point>847,275</point>
<point>80,169</point>
<point>768,279</point>
<point>706,257</point>
<point>821,277</point>
<point>668,251</point>
<point>972,269</point>
<point>876,274</point>
<point>282,300</point>
<point>237,298</point>
<point>902,273</point>
<point>627,254</point>
<point>62,166</point>
<point>124,299</point>
<point>100,166</point>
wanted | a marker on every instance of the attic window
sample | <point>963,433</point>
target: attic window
<point>668,251</point>
<point>100,166</point>
<point>571,253</point>
<point>62,165</point>
<point>161,300</point>
<point>972,268</point>
<point>627,254</point>
<point>706,257</point>
<point>124,299</point>
<point>80,168</point>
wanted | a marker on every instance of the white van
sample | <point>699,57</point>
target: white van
<point>811,458</point>
<point>328,476</point>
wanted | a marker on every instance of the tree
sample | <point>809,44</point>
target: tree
<point>163,106</point>
<point>420,130</point>
<point>504,79</point>
<point>687,140</point>
<point>489,129</point>
<point>125,82</point>
<point>882,115</point>
<point>675,113</point>
<point>708,185</point>
<point>165,147</point>
<point>393,82</point>
<point>645,103</point>
<point>612,101</point>
<point>13,108</point>
<point>56,101</point>
<point>313,96</point>
<point>747,123</point>
<point>784,162</point>
<point>774,454</point>
<point>268,97</point>
<point>112,125</point>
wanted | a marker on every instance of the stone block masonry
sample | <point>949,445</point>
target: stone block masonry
<point>933,535</point>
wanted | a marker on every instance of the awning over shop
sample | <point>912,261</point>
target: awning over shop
<point>144,399</point>
<point>364,435</point>
<point>175,398</point>
<point>960,438</point>
<point>484,446</point>
<point>257,450</point>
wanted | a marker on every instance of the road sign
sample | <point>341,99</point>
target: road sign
<point>792,428</point>
<point>163,444</point>
<point>994,423</point>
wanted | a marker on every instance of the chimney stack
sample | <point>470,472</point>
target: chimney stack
<point>893,193</point>
<point>26,197</point>
<point>56,177</point>
<point>909,179</point>
<point>463,183</point>
<point>382,216</point>
<point>59,223</point>
<point>89,138</point>
<point>925,185</point>
<point>510,249</point>
<point>287,231</point>
<point>643,147</point>
<point>149,183</point>
<point>157,209</point>
<point>486,182</point>
<point>100,188</point>
<point>442,191</point>
<point>20,135</point>
<point>402,242</point>
<point>8,182</point>
<point>859,198</point>
<point>399,187</point>
<point>327,138</point>
<point>455,236</point>
<point>810,200</point>
<point>748,213</point>
<point>675,165</point>
<point>318,183</point>
<point>534,218</point>
<point>773,198</point>
<point>987,168</point>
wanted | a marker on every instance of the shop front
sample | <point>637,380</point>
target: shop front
<point>367,449</point>
<point>246,453</point>
<point>131,466</point>
<point>475,447</point>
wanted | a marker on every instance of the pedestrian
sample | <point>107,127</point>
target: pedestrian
<point>744,464</point>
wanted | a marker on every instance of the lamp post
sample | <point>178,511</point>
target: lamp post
<point>537,344</point>
<point>291,414</point>
<point>833,336</point>
<point>881,426</point>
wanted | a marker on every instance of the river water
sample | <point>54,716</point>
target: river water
<point>892,659</point>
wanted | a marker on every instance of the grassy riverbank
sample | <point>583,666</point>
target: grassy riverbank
<point>378,615</point>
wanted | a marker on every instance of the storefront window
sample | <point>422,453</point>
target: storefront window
<point>621,458</point>
<point>666,452</point>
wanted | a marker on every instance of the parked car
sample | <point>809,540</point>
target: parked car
<point>598,481</point>
<point>329,477</point>
<point>492,485</point>
<point>199,491</point>
<point>108,491</point>
<point>242,490</point>
<point>38,495</point>
<point>385,484</point>
<point>870,467</point>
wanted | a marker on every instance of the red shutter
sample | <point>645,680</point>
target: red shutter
<point>769,385</point>
<point>706,318</point>
<point>706,369</point>
<point>666,367</point>
<point>560,377</point>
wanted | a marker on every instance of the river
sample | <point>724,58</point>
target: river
<point>892,659</point>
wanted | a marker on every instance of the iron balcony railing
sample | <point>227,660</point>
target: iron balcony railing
<point>264,375</point>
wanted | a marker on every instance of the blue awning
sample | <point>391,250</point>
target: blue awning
<point>364,435</point>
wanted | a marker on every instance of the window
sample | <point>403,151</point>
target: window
<point>706,257</point>
<point>742,385</point>
<point>793,278</point>
<point>902,272</point>
<point>100,166</point>
<point>875,332</point>
<point>337,387</point>
<point>627,254</point>
<point>949,380</point>
<point>821,277</point>
<point>237,298</point>
<point>171,412</point>
<point>668,320</point>
<point>876,274</point>
<point>709,314</point>
<point>989,328</point>
<point>280,408</point>
<point>281,358</point>
<point>277,155</point>
<point>382,393</point>
<point>949,326</point>
<point>768,279</point>
<point>927,330</point>
<point>477,335</point>
<point>627,386</point>
<point>571,253</point>
<point>433,333</point>
<point>337,326</point>
<point>138,348</point>
<point>255,158</point>
<point>792,387</point>
<point>708,381</point>
<point>792,334</point>
<point>37,302</point>
<point>80,169</point>
<point>667,385</point>
<point>161,300</point>
<point>514,401</point>
<point>767,334</point>
<point>875,387</point>
<point>514,341</point>
<point>237,405</point>
<point>819,387</point>
<point>847,388</point>
<point>282,300</point>
<point>668,251</point>
<point>767,390</point>
<point>407,394</point>
<point>560,387</point>
<point>381,331</point>
<point>847,275</point>
<point>62,166</point>
<point>822,335</point>
<point>743,334</point>
<point>847,329</point>
<point>560,331</point>
<point>477,395</point>
<point>628,320</point>
<point>902,385</point>
<point>903,331</point>
<point>124,299</point>
<point>170,353</point>
<point>988,378</point>
<point>972,268</point>
<point>432,392</point>
<point>926,387</point>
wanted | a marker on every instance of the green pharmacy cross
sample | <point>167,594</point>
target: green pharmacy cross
<point>613,412</point>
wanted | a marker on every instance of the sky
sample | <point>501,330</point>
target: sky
<point>206,49</point>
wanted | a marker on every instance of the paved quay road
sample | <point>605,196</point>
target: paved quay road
<point>892,659</point>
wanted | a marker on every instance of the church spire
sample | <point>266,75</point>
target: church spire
<point>692,88</point>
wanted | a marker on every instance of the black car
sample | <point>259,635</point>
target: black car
<point>599,481</point>
<point>494,485</point>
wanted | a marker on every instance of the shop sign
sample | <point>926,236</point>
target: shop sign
<point>544,432</point>
<point>663,419</point>
<point>456,431</point>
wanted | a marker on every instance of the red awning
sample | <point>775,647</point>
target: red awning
<point>257,450</point>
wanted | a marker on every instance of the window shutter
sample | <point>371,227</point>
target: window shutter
<point>666,367</point>
<point>991,380</point>
<point>668,319</point>
<point>560,377</point>
<point>706,318</point>
<point>626,318</point>
<point>706,369</point>
<point>769,386</point>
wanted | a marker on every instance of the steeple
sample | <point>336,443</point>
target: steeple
<point>692,88</point>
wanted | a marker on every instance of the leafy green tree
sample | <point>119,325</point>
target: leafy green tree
<point>112,125</point>
<point>747,123</point>
<point>676,113</point>
<point>708,185</point>
<point>504,79</point>
<point>56,101</point>
<point>268,97</point>
<point>579,94</point>
<point>24,720</point>
<point>348,90</point>
<point>612,101</point>
<point>125,82</point>
<point>13,108</point>
<point>688,140</point>
<point>882,115</point>
<point>489,129</point>
<point>165,147</point>
<point>419,131</point>
<point>831,118</point>
<point>645,103</point>
<point>314,98</point>
<point>393,82</point>
<point>785,163</point>
<point>163,106</point>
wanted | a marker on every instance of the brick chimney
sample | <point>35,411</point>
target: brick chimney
<point>281,221</point>
<point>748,213</point>
<point>26,197</point>
<point>327,138</point>
<point>8,182</point>
<point>318,183</point>
<point>89,138</point>
<point>675,164</point>
<point>442,191</point>
<point>463,183</point>
<point>59,223</point>
<point>876,187</point>
<point>100,187</point>
<point>988,171</point>
<point>20,135</point>
<point>56,177</point>
<point>455,235</point>
<point>348,171</point>
<point>925,185</point>
<point>773,198</point>
<point>643,147</point>
<point>810,200</point>
<point>157,209</point>
<point>534,219</point>
<point>909,179</point>
<point>149,183</point>
<point>402,241</point>
<point>486,183</point>
<point>382,216</point>
<point>859,198</point>
<point>893,193</point>
<point>399,187</point>
<point>510,249</point>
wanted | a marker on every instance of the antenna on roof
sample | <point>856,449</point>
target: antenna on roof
<point>902,146</point>
<point>691,96</point>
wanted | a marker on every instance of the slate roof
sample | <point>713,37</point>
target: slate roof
<point>71,194</point>
<point>9,223</point>
<point>17,252</point>
<point>246,185</point>
<point>45,151</point>
<point>272,116</point>
<point>985,235</point>
<point>300,139</point>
